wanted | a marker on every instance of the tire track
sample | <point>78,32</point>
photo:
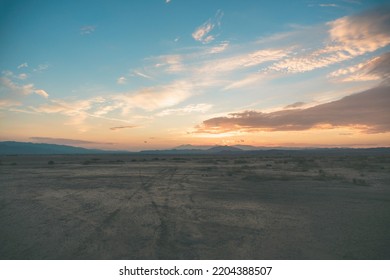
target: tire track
<point>156,193</point>
<point>108,222</point>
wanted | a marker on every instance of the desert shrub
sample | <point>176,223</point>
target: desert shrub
<point>50,162</point>
<point>179,159</point>
<point>360,182</point>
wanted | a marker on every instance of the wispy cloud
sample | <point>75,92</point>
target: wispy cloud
<point>23,65</point>
<point>245,60</point>
<point>42,93</point>
<point>246,81</point>
<point>228,67</point>
<point>76,110</point>
<point>87,29</point>
<point>123,127</point>
<point>41,68</point>
<point>238,70</point>
<point>202,33</point>
<point>362,33</point>
<point>146,99</point>
<point>366,111</point>
<point>79,111</point>
<point>170,63</point>
<point>192,108</point>
<point>22,76</point>
<point>328,5</point>
<point>7,86</point>
<point>4,103</point>
<point>121,80</point>
<point>376,68</point>
<point>348,37</point>
<point>295,105</point>
<point>153,98</point>
<point>219,48</point>
<point>140,74</point>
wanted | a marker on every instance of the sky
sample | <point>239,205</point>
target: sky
<point>156,74</point>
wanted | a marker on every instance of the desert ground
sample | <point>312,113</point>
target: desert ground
<point>273,206</point>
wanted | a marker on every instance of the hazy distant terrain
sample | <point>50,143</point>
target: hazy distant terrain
<point>27,148</point>
<point>234,206</point>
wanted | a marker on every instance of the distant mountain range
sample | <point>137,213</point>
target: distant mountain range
<point>241,147</point>
<point>201,147</point>
<point>189,149</point>
<point>246,149</point>
<point>26,148</point>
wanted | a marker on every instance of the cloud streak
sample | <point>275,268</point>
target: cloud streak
<point>7,86</point>
<point>329,5</point>
<point>123,127</point>
<point>42,93</point>
<point>23,65</point>
<point>65,141</point>
<point>348,37</point>
<point>377,68</point>
<point>87,29</point>
<point>5,103</point>
<point>140,74</point>
<point>231,67</point>
<point>202,33</point>
<point>192,108</point>
<point>154,98</point>
<point>121,80</point>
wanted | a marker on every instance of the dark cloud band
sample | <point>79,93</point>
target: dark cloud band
<point>368,111</point>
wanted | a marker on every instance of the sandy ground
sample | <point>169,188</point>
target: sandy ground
<point>194,207</point>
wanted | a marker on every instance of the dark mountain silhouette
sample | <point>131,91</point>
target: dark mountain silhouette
<point>223,149</point>
<point>248,147</point>
<point>26,148</point>
<point>192,147</point>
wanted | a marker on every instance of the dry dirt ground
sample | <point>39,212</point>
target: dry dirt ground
<point>195,207</point>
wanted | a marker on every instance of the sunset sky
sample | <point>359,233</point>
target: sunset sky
<point>156,74</point>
